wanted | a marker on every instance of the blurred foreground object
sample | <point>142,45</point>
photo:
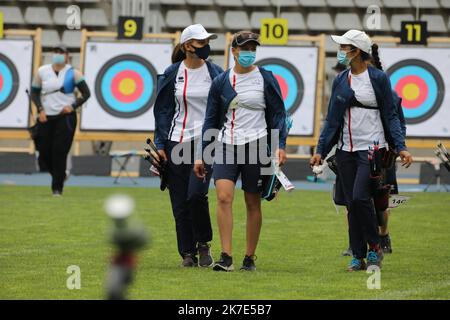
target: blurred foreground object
<point>127,239</point>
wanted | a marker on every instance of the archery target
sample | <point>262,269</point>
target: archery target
<point>9,81</point>
<point>295,69</point>
<point>417,76</point>
<point>124,77</point>
<point>16,65</point>
<point>420,86</point>
<point>289,79</point>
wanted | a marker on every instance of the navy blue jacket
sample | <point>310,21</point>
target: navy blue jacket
<point>401,116</point>
<point>164,108</point>
<point>341,95</point>
<point>222,93</point>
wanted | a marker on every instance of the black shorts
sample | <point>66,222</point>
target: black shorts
<point>247,161</point>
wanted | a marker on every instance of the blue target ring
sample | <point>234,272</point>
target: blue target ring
<point>420,86</point>
<point>9,82</point>
<point>289,79</point>
<point>126,86</point>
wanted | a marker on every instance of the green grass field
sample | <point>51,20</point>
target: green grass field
<point>298,256</point>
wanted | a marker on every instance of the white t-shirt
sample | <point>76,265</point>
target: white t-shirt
<point>191,94</point>
<point>245,119</point>
<point>362,126</point>
<point>52,99</point>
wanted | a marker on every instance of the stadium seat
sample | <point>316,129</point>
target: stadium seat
<point>154,19</point>
<point>171,2</point>
<point>428,4</point>
<point>200,2</point>
<point>72,38</point>
<point>256,3</point>
<point>208,18</point>
<point>219,43</point>
<point>178,18</point>
<point>60,16</point>
<point>435,22</point>
<point>87,1</point>
<point>236,20</point>
<point>50,38</point>
<point>367,3</point>
<point>285,3</point>
<point>312,3</point>
<point>229,3</point>
<point>12,15</point>
<point>445,4</point>
<point>340,3</point>
<point>396,20</point>
<point>347,21</point>
<point>319,21</point>
<point>295,20</point>
<point>384,23</point>
<point>38,16</point>
<point>59,0</point>
<point>256,16</point>
<point>397,3</point>
<point>330,45</point>
<point>94,18</point>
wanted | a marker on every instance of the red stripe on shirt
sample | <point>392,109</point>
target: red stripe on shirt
<point>234,112</point>
<point>350,117</point>
<point>185,104</point>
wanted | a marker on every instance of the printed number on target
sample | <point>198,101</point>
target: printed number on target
<point>274,31</point>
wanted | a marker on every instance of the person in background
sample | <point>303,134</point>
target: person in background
<point>179,113</point>
<point>53,93</point>
<point>361,110</point>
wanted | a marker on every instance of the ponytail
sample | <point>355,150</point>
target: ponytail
<point>376,57</point>
<point>178,54</point>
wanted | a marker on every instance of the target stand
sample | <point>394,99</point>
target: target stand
<point>13,86</point>
<point>301,83</point>
<point>124,86</point>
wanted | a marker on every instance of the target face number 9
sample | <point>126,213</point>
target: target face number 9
<point>130,28</point>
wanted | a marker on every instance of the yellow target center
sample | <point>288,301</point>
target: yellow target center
<point>127,86</point>
<point>410,91</point>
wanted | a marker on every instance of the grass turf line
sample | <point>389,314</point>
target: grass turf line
<point>298,254</point>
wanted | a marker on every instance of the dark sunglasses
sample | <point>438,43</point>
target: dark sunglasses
<point>241,38</point>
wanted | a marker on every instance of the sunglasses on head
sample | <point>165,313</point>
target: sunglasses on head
<point>242,37</point>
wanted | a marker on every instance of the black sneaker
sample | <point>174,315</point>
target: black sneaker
<point>385,243</point>
<point>57,193</point>
<point>189,261</point>
<point>249,263</point>
<point>204,253</point>
<point>224,264</point>
<point>348,252</point>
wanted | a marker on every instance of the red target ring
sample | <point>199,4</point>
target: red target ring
<point>413,89</point>
<point>127,86</point>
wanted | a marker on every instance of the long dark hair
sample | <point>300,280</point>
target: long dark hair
<point>178,54</point>
<point>374,58</point>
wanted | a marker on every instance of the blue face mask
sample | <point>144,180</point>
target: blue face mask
<point>58,58</point>
<point>246,58</point>
<point>342,57</point>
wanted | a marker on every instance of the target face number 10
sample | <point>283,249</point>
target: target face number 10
<point>274,31</point>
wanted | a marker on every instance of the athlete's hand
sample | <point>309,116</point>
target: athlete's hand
<point>42,117</point>
<point>199,169</point>
<point>406,158</point>
<point>281,156</point>
<point>162,154</point>
<point>67,110</point>
<point>316,160</point>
